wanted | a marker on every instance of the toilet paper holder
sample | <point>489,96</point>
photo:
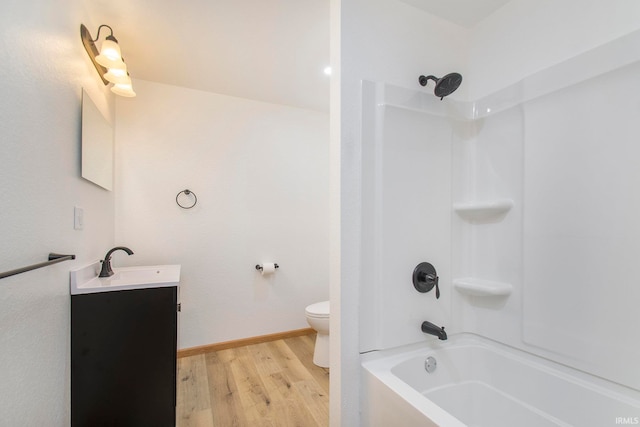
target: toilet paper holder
<point>259,266</point>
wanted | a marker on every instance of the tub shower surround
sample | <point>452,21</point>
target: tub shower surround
<point>524,202</point>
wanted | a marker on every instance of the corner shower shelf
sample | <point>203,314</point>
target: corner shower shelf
<point>474,211</point>
<point>482,288</point>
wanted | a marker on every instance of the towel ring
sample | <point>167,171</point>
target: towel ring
<point>187,193</point>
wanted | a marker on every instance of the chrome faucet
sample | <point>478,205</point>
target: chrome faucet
<point>106,270</point>
<point>430,328</point>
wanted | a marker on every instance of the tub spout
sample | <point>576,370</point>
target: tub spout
<point>430,328</point>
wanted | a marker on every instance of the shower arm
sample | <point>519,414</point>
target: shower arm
<point>423,80</point>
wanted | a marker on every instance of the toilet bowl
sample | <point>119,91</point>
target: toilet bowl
<point>318,318</point>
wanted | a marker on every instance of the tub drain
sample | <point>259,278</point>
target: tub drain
<point>430,364</point>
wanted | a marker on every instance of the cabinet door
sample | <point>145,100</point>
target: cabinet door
<point>123,358</point>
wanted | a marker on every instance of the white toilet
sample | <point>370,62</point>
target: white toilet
<point>318,318</point>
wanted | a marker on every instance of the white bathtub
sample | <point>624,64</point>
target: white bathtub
<point>478,382</point>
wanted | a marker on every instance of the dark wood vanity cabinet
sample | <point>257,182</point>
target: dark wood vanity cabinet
<point>123,358</point>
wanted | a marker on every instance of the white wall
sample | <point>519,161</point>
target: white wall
<point>580,225</point>
<point>260,172</point>
<point>520,39</point>
<point>526,36</point>
<point>552,155</point>
<point>566,159</point>
<point>381,41</point>
<point>406,204</point>
<point>41,80</point>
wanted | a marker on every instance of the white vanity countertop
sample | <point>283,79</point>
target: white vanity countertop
<point>85,280</point>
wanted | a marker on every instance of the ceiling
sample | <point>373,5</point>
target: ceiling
<point>268,50</point>
<point>466,13</point>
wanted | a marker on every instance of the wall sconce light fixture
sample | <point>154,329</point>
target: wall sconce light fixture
<point>108,61</point>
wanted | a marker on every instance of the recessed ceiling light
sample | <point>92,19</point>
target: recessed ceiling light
<point>327,71</point>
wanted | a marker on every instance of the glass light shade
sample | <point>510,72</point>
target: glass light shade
<point>110,56</point>
<point>123,90</point>
<point>118,76</point>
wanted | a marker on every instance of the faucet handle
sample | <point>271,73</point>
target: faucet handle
<point>434,279</point>
<point>425,278</point>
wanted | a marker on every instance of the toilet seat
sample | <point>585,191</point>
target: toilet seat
<point>318,310</point>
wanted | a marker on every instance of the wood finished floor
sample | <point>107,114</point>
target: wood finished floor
<point>269,384</point>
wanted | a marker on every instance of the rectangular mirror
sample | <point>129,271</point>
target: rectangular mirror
<point>97,145</point>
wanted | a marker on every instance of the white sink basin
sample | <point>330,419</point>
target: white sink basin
<point>85,280</point>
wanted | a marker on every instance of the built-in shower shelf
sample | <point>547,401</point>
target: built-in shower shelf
<point>481,287</point>
<point>479,211</point>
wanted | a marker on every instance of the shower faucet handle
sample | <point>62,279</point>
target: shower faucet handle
<point>432,278</point>
<point>425,278</point>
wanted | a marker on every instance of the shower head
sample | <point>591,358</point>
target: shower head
<point>445,85</point>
